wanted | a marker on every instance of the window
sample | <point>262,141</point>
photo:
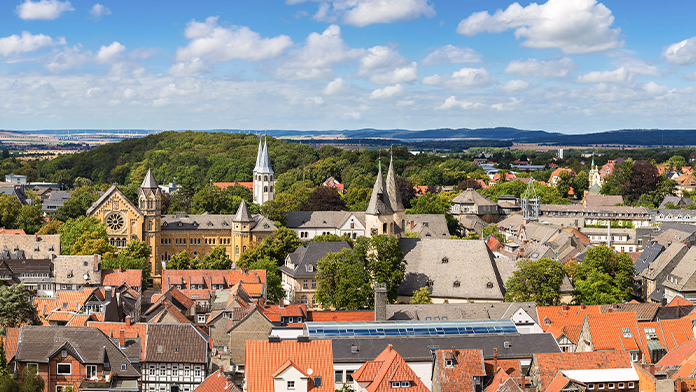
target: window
<point>626,333</point>
<point>621,385</point>
<point>33,368</point>
<point>395,384</point>
<point>449,363</point>
<point>291,384</point>
<point>601,386</point>
<point>201,319</point>
<point>590,386</point>
<point>405,384</point>
<point>631,385</point>
<point>197,372</point>
<point>64,368</point>
<point>314,284</point>
<point>187,371</point>
<point>305,284</point>
<point>303,300</point>
<point>349,375</point>
<point>163,370</point>
<point>91,371</point>
<point>611,385</point>
<point>175,370</point>
<point>338,376</point>
<point>123,366</point>
<point>152,370</point>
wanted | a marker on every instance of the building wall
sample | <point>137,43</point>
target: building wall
<point>255,327</point>
<point>584,339</point>
<point>300,382</point>
<point>218,332</point>
<point>160,377</point>
<point>49,372</point>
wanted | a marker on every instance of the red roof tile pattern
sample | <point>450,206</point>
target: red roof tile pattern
<point>114,277</point>
<point>60,316</point>
<point>263,358</point>
<point>79,320</point>
<point>559,382</point>
<point>502,381</point>
<point>131,331</point>
<point>72,301</point>
<point>4,231</point>
<point>10,342</point>
<point>341,315</point>
<point>232,277</point>
<point>459,377</point>
<point>676,332</point>
<point>550,364</point>
<point>678,355</point>
<point>388,367</point>
<point>564,315</point>
<point>510,366</point>
<point>217,382</point>
<point>679,301</point>
<point>607,332</point>
<point>224,185</point>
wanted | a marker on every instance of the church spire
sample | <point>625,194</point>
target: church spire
<point>264,161</point>
<point>393,188</point>
<point>243,214</point>
<point>149,181</point>
<point>258,158</point>
<point>379,201</point>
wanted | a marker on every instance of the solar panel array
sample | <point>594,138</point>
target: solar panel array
<point>408,328</point>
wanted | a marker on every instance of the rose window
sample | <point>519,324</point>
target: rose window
<point>115,222</point>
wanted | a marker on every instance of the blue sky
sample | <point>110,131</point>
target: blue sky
<point>570,66</point>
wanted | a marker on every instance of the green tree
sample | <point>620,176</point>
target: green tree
<point>92,243</point>
<point>9,210</point>
<point>16,307</point>
<point>333,238</point>
<point>422,296</point>
<point>4,370</point>
<point>277,246</point>
<point>50,228</point>
<point>357,199</point>
<point>274,288</point>
<point>603,277</point>
<point>217,259</point>
<point>136,249</point>
<point>8,383</point>
<point>430,203</point>
<point>30,219</point>
<point>78,203</point>
<point>581,183</point>
<point>179,261</point>
<point>71,231</point>
<point>564,183</point>
<point>671,206</point>
<point>82,182</point>
<point>324,199</point>
<point>536,280</point>
<point>31,382</point>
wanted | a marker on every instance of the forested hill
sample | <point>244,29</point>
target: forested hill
<point>639,137</point>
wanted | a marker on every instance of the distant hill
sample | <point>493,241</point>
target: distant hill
<point>639,137</point>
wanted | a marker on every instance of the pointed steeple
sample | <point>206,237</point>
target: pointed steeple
<point>264,160</point>
<point>149,182</point>
<point>258,158</point>
<point>393,189</point>
<point>243,214</point>
<point>379,201</point>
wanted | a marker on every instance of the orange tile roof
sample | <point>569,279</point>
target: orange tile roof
<point>678,355</point>
<point>44,306</point>
<point>559,382</point>
<point>510,366</point>
<point>502,381</point>
<point>564,315</point>
<point>12,231</point>
<point>10,342</point>
<point>606,332</point>
<point>341,315</point>
<point>79,320</point>
<point>679,301</point>
<point>232,277</point>
<point>114,277</point>
<point>60,316</point>
<point>217,382</point>
<point>286,365</point>
<point>131,331</point>
<point>287,310</point>
<point>72,300</point>
<point>263,358</point>
<point>224,185</point>
<point>550,364</point>
<point>467,364</point>
<point>558,172</point>
<point>677,332</point>
<point>388,367</point>
<point>572,332</point>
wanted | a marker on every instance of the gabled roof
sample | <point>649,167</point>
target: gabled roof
<point>183,343</point>
<point>10,341</point>
<point>243,214</point>
<point>217,382</point>
<point>459,377</point>
<point>615,331</point>
<point>679,301</point>
<point>264,358</point>
<point>470,196</point>
<point>388,367</point>
<point>305,259</point>
<point>149,181</point>
<point>550,364</point>
<point>113,189</point>
<point>644,311</point>
<point>115,278</point>
<point>559,316</point>
<point>558,383</point>
<point>679,354</point>
<point>137,330</point>
<point>683,276</point>
<point>673,251</point>
<point>503,382</point>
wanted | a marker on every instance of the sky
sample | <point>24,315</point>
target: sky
<point>572,66</point>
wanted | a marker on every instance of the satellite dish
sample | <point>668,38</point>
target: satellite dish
<point>310,371</point>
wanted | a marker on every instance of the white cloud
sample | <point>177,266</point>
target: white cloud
<point>690,76</point>
<point>619,75</point>
<point>452,54</point>
<point>27,42</point>
<point>544,69</point>
<point>365,12</point>
<point>515,85</point>
<point>384,65</point>
<point>336,86</point>
<point>107,54</point>
<point>387,92</point>
<point>192,67</point>
<point>514,102</point>
<point>98,10</point>
<point>681,53</point>
<point>317,101</point>
<point>316,59</point>
<point>352,116</point>
<point>68,58</point>
<point>574,26</point>
<point>42,10</point>
<point>214,43</point>
<point>452,102</point>
<point>465,78</point>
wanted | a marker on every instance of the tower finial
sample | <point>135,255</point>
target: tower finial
<point>391,153</point>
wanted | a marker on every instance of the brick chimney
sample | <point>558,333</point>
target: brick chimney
<point>380,302</point>
<point>411,224</point>
<point>495,360</point>
<point>128,321</point>
<point>677,385</point>
<point>96,262</point>
<point>122,338</point>
<point>583,306</point>
<point>120,269</point>
<point>36,238</point>
<point>651,369</point>
<point>523,382</point>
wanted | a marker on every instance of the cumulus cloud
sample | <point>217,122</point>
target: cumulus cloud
<point>192,67</point>
<point>544,69</point>
<point>574,26</point>
<point>681,53</point>
<point>214,43</point>
<point>387,92</point>
<point>452,102</point>
<point>98,10</point>
<point>452,54</point>
<point>384,65</point>
<point>336,86</point>
<point>619,75</point>
<point>515,85</point>
<point>42,10</point>
<point>365,12</point>
<point>68,58</point>
<point>27,42</point>
<point>465,78</point>
<point>352,116</point>
<point>316,59</point>
<point>108,54</point>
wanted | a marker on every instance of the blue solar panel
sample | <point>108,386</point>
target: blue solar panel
<point>408,328</point>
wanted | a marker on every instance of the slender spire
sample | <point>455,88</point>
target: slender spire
<point>258,158</point>
<point>393,189</point>
<point>379,200</point>
<point>243,214</point>
<point>264,160</point>
<point>149,181</point>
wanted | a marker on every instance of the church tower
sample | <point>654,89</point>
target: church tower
<point>263,176</point>
<point>395,201</point>
<point>150,204</point>
<point>242,223</point>
<point>379,217</point>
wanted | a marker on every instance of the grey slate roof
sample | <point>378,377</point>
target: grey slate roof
<point>418,348</point>
<point>243,214</point>
<point>428,225</point>
<point>393,190</point>
<point>379,200</point>
<point>321,219</point>
<point>447,262</point>
<point>676,200</point>
<point>149,181</point>
<point>88,344</point>
<point>460,311</point>
<point>182,343</point>
<point>648,256</point>
<point>684,273</point>
<point>671,236</point>
<point>303,257</point>
<point>593,200</point>
<point>208,221</point>
<point>663,260</point>
<point>470,196</point>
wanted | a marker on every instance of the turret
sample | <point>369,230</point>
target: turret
<point>263,175</point>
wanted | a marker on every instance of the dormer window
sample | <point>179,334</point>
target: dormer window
<point>449,363</point>
<point>310,268</point>
<point>626,333</point>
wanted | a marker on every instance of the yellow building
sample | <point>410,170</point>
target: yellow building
<point>167,235</point>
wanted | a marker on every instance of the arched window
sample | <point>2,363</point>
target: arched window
<point>271,188</point>
<point>149,226</point>
<point>236,250</point>
<point>271,177</point>
<point>384,228</point>
<point>244,249</point>
<point>265,189</point>
<point>265,178</point>
<point>303,300</point>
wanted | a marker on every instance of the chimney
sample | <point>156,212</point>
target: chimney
<point>243,270</point>
<point>520,254</point>
<point>122,338</point>
<point>380,302</point>
<point>36,238</point>
<point>582,306</point>
<point>228,381</point>
<point>128,321</point>
<point>96,262</point>
<point>390,347</point>
<point>566,308</point>
<point>523,382</point>
<point>111,334</point>
<point>137,335</point>
<point>651,369</point>
<point>411,224</point>
<point>677,385</point>
<point>120,269</point>
<point>495,360</point>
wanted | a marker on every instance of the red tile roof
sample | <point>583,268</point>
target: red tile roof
<point>10,342</point>
<point>559,382</point>
<point>72,300</point>
<point>341,315</point>
<point>253,280</point>
<point>606,332</point>
<point>79,320</point>
<point>467,364</point>
<point>224,185</point>
<point>114,277</point>
<point>502,381</point>
<point>5,231</point>
<point>131,331</point>
<point>60,316</point>
<point>263,358</point>
<point>550,364</point>
<point>388,367</point>
<point>676,332</point>
<point>564,315</point>
<point>510,366</point>
<point>679,301</point>
<point>678,355</point>
<point>217,382</point>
